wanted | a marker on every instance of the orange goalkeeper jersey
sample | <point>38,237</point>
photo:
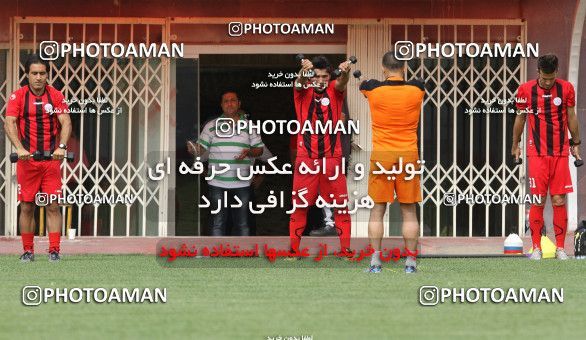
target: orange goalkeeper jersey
<point>395,107</point>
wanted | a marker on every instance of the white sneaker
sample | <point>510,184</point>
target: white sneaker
<point>560,254</point>
<point>536,255</point>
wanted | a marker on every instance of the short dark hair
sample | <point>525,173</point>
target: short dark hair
<point>321,62</point>
<point>392,63</point>
<point>228,91</point>
<point>34,59</point>
<point>547,63</point>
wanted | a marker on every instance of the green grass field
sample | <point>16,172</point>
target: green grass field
<point>337,302</point>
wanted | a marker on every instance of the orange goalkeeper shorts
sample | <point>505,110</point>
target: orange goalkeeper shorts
<point>383,189</point>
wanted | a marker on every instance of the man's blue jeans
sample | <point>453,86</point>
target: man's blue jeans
<point>219,221</point>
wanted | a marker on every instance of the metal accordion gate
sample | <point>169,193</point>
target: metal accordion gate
<point>465,154</point>
<point>117,136</point>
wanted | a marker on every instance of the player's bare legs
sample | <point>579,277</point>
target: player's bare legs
<point>410,226</point>
<point>410,234</point>
<point>375,234</point>
<point>26,223</point>
<point>54,228</point>
<point>375,225</point>
<point>27,217</point>
<point>560,224</point>
<point>53,218</point>
<point>536,226</point>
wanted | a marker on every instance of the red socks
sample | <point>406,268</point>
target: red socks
<point>343,226</point>
<point>297,223</point>
<point>536,224</point>
<point>28,242</point>
<point>54,240</point>
<point>560,224</point>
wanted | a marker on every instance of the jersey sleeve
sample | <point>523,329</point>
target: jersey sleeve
<point>300,92</point>
<point>255,140</point>
<point>338,94</point>
<point>205,137</point>
<point>521,101</point>
<point>571,99</point>
<point>418,83</point>
<point>14,106</point>
<point>367,86</point>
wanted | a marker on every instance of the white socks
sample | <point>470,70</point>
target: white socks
<point>375,259</point>
<point>410,261</point>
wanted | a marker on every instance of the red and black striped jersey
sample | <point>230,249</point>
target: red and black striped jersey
<point>312,106</point>
<point>38,126</point>
<point>547,116</point>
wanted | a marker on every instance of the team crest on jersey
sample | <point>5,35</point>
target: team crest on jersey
<point>49,108</point>
<point>325,101</point>
<point>557,101</point>
<point>12,96</point>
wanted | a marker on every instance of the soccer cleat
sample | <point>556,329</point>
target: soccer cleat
<point>560,254</point>
<point>536,255</point>
<point>27,257</point>
<point>410,269</point>
<point>346,254</point>
<point>376,269</point>
<point>325,231</point>
<point>54,256</point>
<point>292,258</point>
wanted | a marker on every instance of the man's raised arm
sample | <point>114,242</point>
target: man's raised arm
<point>302,79</point>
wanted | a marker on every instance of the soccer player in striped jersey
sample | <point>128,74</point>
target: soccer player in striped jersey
<point>321,103</point>
<point>548,105</point>
<point>37,120</point>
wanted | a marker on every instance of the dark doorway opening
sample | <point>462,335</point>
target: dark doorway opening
<point>238,72</point>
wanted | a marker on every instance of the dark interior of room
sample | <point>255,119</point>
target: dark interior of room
<point>237,72</point>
